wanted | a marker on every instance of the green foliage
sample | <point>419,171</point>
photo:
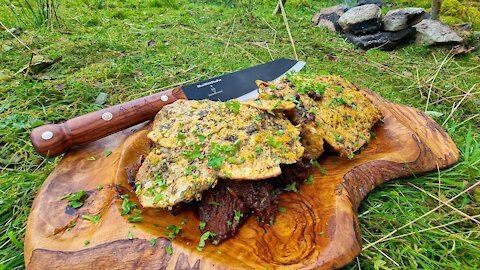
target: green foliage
<point>37,14</point>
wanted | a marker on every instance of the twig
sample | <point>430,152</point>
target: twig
<point>277,8</point>
<point>21,42</point>
<point>417,219</point>
<point>446,204</point>
<point>231,33</point>
<point>458,105</point>
<point>433,79</point>
<point>288,28</point>
<point>456,96</point>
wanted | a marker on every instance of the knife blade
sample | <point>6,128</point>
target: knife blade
<point>55,139</point>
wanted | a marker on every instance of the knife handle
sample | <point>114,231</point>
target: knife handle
<point>54,139</point>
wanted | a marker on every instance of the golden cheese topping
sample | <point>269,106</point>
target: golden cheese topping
<point>328,108</point>
<point>197,142</point>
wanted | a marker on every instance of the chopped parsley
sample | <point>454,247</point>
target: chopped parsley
<point>77,199</point>
<point>174,231</point>
<point>274,143</point>
<point>282,210</point>
<point>203,238</point>
<point>233,106</point>
<point>152,242</point>
<point>181,136</point>
<point>310,179</point>
<point>136,217</point>
<point>215,203</point>
<point>99,187</point>
<point>292,187</point>
<point>93,219</point>
<point>201,225</point>
<point>183,222</point>
<point>157,198</point>
<point>130,235</point>
<point>190,169</point>
<point>280,132</point>
<point>270,111</point>
<point>237,216</point>
<point>338,138</point>
<point>108,153</point>
<point>258,117</point>
<point>162,183</point>
<point>195,153</point>
<point>317,165</point>
<point>91,158</point>
<point>127,205</point>
<point>168,250</point>
<point>86,242</point>
<point>258,150</point>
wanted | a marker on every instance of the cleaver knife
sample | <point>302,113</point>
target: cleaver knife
<point>55,139</point>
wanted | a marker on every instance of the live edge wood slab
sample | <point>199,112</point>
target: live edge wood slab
<point>318,230</point>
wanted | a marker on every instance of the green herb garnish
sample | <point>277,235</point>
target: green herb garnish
<point>94,219</point>
<point>233,106</point>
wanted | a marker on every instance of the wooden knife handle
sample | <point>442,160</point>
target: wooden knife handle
<point>53,140</point>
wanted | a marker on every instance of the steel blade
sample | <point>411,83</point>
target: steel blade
<point>239,83</point>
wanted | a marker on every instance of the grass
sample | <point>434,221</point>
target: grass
<point>103,45</point>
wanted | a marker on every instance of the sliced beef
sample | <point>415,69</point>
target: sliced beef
<point>297,172</point>
<point>227,206</point>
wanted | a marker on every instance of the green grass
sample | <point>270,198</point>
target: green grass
<point>104,49</point>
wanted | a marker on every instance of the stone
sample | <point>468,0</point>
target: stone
<point>464,30</point>
<point>101,98</point>
<point>383,40</point>
<point>399,19</point>
<point>361,20</point>
<point>368,2</point>
<point>433,32</point>
<point>328,17</point>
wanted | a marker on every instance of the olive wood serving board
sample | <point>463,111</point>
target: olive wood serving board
<point>318,230</point>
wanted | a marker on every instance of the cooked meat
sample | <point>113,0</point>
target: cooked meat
<point>197,142</point>
<point>297,172</point>
<point>328,108</point>
<point>226,207</point>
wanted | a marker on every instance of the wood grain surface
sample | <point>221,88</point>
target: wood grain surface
<point>318,230</point>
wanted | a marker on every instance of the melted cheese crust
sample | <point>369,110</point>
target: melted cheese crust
<point>330,109</point>
<point>197,142</point>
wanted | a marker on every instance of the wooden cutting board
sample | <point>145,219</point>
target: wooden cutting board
<point>319,228</point>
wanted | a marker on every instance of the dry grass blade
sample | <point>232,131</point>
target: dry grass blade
<point>285,20</point>
<point>17,39</point>
<point>446,204</point>
<point>230,37</point>
<point>429,229</point>
<point>432,79</point>
<point>383,253</point>
<point>422,216</point>
<point>454,108</point>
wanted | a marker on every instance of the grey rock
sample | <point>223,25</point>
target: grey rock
<point>361,20</point>
<point>328,17</point>
<point>399,19</point>
<point>433,32</point>
<point>368,2</point>
<point>101,98</point>
<point>383,40</point>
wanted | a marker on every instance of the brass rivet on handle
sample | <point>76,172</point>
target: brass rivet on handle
<point>107,116</point>
<point>47,135</point>
<point>164,98</point>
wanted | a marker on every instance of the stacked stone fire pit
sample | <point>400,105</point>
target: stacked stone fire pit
<point>364,26</point>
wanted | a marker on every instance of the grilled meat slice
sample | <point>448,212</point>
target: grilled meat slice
<point>227,206</point>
